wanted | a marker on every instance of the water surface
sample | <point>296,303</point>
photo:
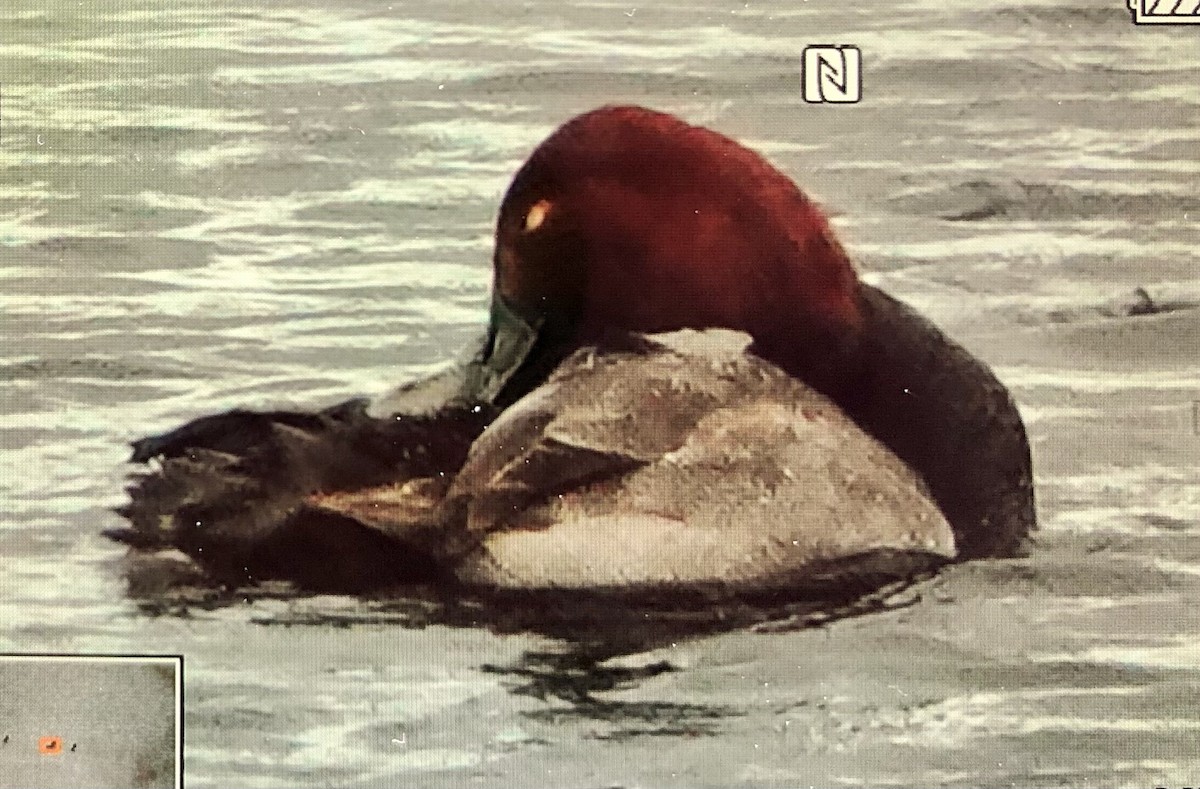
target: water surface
<point>210,204</point>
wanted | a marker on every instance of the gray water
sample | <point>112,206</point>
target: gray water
<point>271,202</point>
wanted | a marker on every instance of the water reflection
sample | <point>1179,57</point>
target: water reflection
<point>169,584</point>
<point>577,674</point>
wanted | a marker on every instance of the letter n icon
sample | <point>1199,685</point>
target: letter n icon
<point>832,74</point>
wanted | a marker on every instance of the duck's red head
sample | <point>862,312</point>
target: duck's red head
<point>630,219</point>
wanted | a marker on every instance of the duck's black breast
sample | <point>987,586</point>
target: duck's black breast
<point>945,413</point>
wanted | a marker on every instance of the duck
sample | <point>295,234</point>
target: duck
<point>684,387</point>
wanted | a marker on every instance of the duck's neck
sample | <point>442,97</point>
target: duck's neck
<point>827,359</point>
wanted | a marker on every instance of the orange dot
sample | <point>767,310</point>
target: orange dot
<point>52,746</point>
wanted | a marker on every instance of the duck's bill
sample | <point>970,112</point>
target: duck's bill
<point>517,355</point>
<point>520,352</point>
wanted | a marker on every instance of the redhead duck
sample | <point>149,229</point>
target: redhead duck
<point>624,222</point>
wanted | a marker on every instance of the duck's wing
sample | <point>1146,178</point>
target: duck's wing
<point>533,458</point>
<point>409,512</point>
<point>773,491</point>
<point>580,428</point>
<point>597,419</point>
<point>232,491</point>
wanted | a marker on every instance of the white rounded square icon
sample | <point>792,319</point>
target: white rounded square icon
<point>832,74</point>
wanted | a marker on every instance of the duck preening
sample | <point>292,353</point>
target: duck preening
<point>684,387</point>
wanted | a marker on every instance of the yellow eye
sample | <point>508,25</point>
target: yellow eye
<point>537,215</point>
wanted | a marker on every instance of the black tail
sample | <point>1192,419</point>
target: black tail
<point>230,491</point>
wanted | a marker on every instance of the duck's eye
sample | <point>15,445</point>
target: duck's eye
<point>536,216</point>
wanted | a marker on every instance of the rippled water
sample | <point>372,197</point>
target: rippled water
<point>209,204</point>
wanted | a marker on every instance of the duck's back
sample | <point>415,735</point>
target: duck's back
<point>686,465</point>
